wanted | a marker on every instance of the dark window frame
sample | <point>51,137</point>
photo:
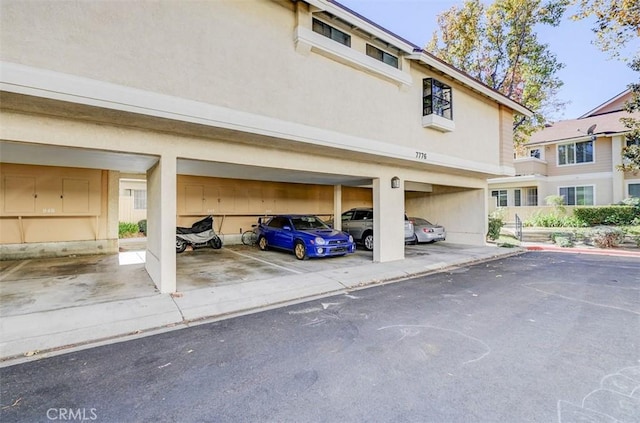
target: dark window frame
<point>383,56</point>
<point>331,32</point>
<point>437,98</point>
<point>500,194</point>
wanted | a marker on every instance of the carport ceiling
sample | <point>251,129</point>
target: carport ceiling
<point>256,173</point>
<point>49,155</point>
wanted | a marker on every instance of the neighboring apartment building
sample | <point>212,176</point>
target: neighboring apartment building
<point>574,158</point>
<point>236,109</point>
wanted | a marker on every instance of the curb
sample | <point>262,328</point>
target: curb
<point>595,251</point>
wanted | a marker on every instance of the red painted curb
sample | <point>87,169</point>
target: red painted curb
<point>600,251</point>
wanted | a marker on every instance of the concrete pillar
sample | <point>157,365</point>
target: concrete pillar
<point>161,223</point>
<point>388,220</point>
<point>617,183</point>
<point>113,200</point>
<point>337,207</point>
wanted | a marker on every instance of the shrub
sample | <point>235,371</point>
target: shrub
<point>563,240</point>
<point>126,229</point>
<point>552,220</point>
<point>607,215</point>
<point>606,237</point>
<point>631,201</point>
<point>496,222</point>
<point>142,226</point>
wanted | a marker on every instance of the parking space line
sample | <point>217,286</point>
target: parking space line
<point>265,262</point>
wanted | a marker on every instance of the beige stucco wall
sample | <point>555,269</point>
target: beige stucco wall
<point>453,209</point>
<point>241,55</point>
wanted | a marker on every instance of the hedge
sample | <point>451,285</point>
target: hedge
<point>607,215</point>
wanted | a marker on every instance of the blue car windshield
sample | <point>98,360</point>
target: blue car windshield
<point>304,223</point>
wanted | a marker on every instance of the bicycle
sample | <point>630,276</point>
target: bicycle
<point>250,237</point>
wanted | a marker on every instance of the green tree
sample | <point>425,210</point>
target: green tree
<point>617,22</point>
<point>617,25</point>
<point>498,45</point>
<point>631,152</point>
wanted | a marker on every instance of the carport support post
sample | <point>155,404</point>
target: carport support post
<point>388,220</point>
<point>161,223</point>
<point>337,207</point>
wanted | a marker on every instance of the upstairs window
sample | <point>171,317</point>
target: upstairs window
<point>436,99</point>
<point>535,153</point>
<point>577,152</point>
<point>331,32</point>
<point>383,56</point>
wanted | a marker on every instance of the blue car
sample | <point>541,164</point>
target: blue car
<point>307,236</point>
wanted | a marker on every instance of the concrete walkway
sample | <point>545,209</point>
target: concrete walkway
<point>70,311</point>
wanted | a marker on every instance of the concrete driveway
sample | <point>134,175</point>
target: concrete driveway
<point>49,304</point>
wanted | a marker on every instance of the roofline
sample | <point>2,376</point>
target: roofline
<point>359,21</point>
<point>579,138</point>
<point>606,103</point>
<point>416,53</point>
<point>408,45</point>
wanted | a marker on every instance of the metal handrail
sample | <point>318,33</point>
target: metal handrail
<point>518,228</point>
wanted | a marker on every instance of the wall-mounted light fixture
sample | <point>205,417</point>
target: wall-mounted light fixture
<point>395,182</point>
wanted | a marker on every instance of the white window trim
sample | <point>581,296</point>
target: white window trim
<point>595,202</point>
<point>438,122</point>
<point>574,143</point>
<point>346,55</point>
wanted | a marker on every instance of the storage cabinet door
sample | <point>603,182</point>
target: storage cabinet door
<point>75,196</point>
<point>19,194</point>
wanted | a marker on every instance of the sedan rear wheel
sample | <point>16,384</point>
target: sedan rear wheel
<point>368,241</point>
<point>300,250</point>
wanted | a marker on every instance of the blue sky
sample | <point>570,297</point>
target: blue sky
<point>590,77</point>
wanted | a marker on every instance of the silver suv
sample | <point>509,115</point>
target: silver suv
<point>358,223</point>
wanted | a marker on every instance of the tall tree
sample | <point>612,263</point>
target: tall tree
<point>498,45</point>
<point>617,26</point>
<point>617,22</point>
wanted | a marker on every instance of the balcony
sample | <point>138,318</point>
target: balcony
<point>530,166</point>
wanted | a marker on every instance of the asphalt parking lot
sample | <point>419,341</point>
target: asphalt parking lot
<point>537,337</point>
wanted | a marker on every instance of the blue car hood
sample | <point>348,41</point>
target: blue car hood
<point>327,233</point>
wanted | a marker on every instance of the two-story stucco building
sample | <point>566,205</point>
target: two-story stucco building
<point>576,159</point>
<point>236,109</point>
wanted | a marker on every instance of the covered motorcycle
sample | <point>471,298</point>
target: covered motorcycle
<point>199,235</point>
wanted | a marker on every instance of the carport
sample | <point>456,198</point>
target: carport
<point>115,136</point>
